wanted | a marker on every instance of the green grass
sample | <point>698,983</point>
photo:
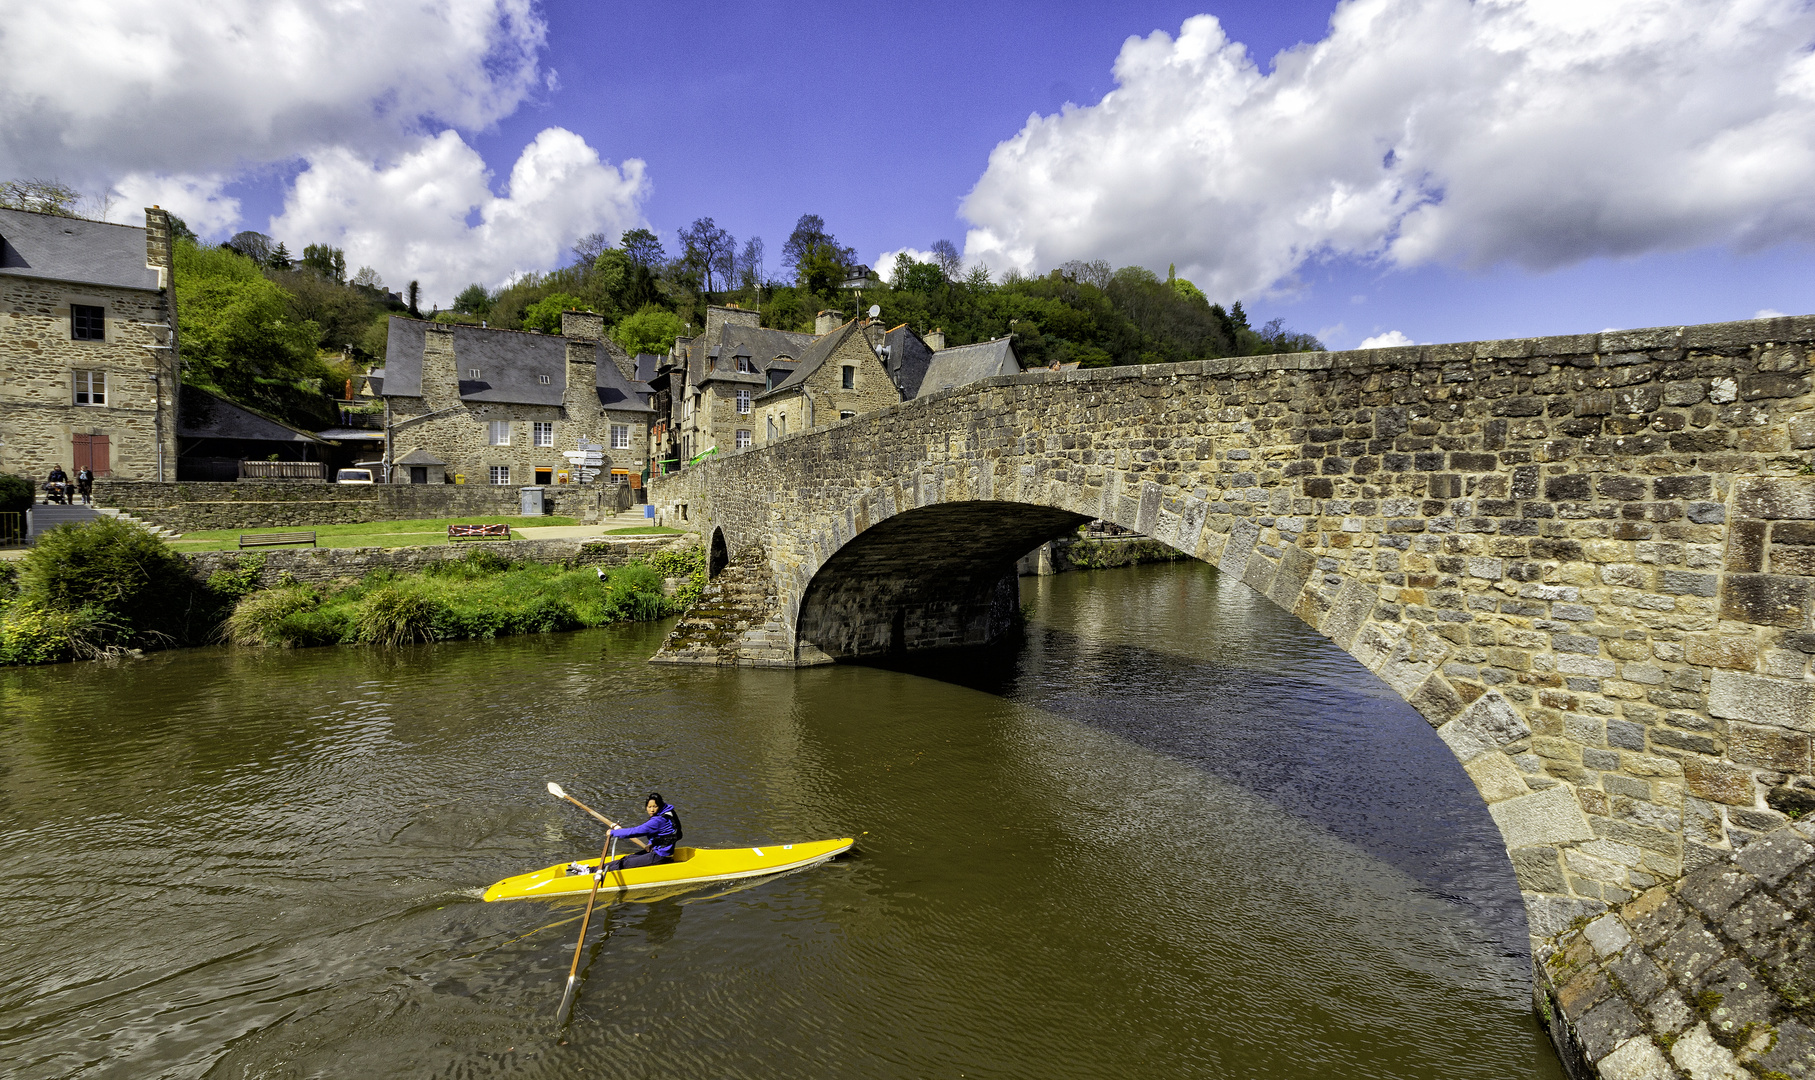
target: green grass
<point>483,595</point>
<point>412,533</point>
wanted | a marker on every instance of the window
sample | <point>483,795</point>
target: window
<point>745,366</point>
<point>472,373</point>
<point>544,434</point>
<point>771,429</point>
<point>850,377</point>
<point>620,436</point>
<point>846,414</point>
<point>620,476</point>
<point>500,432</point>
<point>91,387</point>
<point>543,379</point>
<point>500,474</point>
<point>87,323</point>
<point>743,401</point>
<point>784,423</point>
<point>743,438</point>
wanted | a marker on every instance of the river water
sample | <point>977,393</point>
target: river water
<point>1168,833</point>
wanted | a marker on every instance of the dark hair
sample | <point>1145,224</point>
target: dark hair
<point>656,798</point>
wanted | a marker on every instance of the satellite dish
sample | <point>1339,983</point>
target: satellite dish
<point>875,310</point>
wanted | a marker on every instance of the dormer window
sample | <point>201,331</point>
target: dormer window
<point>472,373</point>
<point>543,379</point>
<point>744,366</point>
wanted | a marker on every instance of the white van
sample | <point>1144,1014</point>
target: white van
<point>353,476</point>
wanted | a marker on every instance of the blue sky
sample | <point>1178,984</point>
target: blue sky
<point>1397,174</point>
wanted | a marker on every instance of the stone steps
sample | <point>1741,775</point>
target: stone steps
<point>737,615</point>
<point>47,516</point>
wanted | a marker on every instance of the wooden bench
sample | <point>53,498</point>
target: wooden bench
<point>247,540</point>
<point>499,531</point>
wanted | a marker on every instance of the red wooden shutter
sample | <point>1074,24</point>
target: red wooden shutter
<point>90,452</point>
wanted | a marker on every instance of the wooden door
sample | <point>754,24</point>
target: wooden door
<point>91,452</point>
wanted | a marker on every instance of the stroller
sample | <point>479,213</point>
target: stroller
<point>57,491</point>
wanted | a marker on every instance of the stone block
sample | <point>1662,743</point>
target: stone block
<point>1767,599</point>
<point>1488,724</point>
<point>1793,1054</point>
<point>1774,857</point>
<point>1775,498</point>
<point>1719,782</point>
<point>1762,699</point>
<point>1760,925</point>
<point>1715,891</point>
<point>1639,977</point>
<point>1496,777</point>
<point>1768,747</point>
<point>1538,870</point>
<point>1606,1026</point>
<point>1697,1054</point>
<point>1543,818</point>
<point>1689,950</point>
<point>1669,1013</point>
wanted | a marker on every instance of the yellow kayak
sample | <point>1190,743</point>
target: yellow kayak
<point>691,866</point>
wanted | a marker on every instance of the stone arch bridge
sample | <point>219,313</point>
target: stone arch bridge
<point>1588,561</point>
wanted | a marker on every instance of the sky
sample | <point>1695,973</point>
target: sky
<point>1370,171</point>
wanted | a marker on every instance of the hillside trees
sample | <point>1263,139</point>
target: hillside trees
<point>242,340</point>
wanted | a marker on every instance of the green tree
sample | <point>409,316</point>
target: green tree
<point>644,248</point>
<point>280,256</point>
<point>240,337</point>
<point>651,330</point>
<point>545,314</point>
<point>473,300</point>
<point>40,196</point>
<point>327,262</point>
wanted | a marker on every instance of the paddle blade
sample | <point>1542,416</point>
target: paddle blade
<point>561,1013</point>
<point>555,790</point>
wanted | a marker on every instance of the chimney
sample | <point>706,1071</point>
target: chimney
<point>159,253</point>
<point>580,397</point>
<point>935,340</point>
<point>582,325</point>
<point>828,321</point>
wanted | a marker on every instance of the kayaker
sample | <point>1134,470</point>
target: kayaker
<point>663,830</point>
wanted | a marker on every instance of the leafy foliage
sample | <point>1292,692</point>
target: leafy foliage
<point>241,337</point>
<point>651,330</point>
<point>40,196</point>
<point>16,494</point>
<point>545,314</point>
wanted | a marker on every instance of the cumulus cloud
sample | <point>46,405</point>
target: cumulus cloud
<point>94,90</point>
<point>198,200</point>
<point>1392,339</point>
<point>409,216</point>
<point>1532,132</point>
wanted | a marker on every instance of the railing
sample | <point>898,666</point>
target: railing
<point>362,419</point>
<point>12,528</point>
<point>282,470</point>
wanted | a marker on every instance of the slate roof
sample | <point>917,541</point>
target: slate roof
<point>647,365</point>
<point>202,415</point>
<point>759,343</point>
<point>814,358</point>
<point>968,363</point>
<point>70,249</point>
<point>419,456</point>
<point>349,434</point>
<point>509,364</point>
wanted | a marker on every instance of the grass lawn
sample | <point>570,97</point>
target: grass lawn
<point>413,533</point>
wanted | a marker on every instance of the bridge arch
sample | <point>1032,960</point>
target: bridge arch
<point>1577,557</point>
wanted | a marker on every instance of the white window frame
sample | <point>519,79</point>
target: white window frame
<point>498,432</point>
<point>543,379</point>
<point>542,434</point>
<point>472,373</point>
<point>745,366</point>
<point>82,383</point>
<point>620,436</point>
<point>743,438</point>
<point>500,475</point>
<point>743,401</point>
<point>845,414</point>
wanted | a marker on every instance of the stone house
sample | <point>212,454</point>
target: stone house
<point>840,375</point>
<point>947,368</point>
<point>88,360</point>
<point>715,378</point>
<point>483,406</point>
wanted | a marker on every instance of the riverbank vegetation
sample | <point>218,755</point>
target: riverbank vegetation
<point>106,588</point>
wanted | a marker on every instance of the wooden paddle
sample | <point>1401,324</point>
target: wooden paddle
<point>555,790</point>
<point>573,972</point>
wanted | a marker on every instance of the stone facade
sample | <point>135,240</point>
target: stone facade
<point>1582,559</point>
<point>123,412</point>
<point>187,507</point>
<point>816,395</point>
<point>508,425</point>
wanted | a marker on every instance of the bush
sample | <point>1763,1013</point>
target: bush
<point>134,583</point>
<point>259,618</point>
<point>16,494</point>
<point>689,563</point>
<point>35,634</point>
<point>391,616</point>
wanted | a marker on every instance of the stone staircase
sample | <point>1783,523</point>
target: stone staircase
<point>47,516</point>
<point>736,621</point>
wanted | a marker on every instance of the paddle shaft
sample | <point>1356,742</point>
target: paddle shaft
<point>610,824</point>
<point>573,971</point>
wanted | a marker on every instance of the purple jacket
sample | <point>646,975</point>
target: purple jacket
<point>660,829</point>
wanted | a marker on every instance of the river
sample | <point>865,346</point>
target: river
<point>1170,832</point>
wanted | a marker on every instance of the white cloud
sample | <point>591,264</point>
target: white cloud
<point>94,90</point>
<point>198,200</point>
<point>1768,313</point>
<point>885,262</point>
<point>1392,339</point>
<point>407,217</point>
<point>1532,132</point>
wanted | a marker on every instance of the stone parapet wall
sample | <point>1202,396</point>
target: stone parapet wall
<point>318,565</point>
<point>1712,976</point>
<point>191,506</point>
<point>1588,561</point>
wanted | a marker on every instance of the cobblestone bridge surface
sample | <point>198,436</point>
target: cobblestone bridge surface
<point>1588,561</point>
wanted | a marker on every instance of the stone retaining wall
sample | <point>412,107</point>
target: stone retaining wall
<point>1710,978</point>
<point>316,565</point>
<point>190,506</point>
